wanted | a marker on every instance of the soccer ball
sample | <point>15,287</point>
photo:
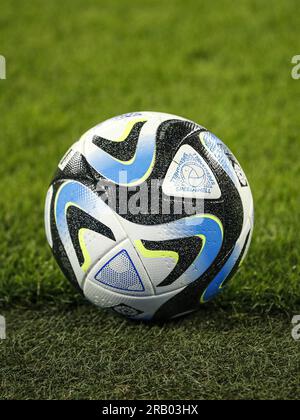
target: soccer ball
<point>149,214</point>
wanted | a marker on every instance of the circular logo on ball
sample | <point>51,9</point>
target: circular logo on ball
<point>193,174</point>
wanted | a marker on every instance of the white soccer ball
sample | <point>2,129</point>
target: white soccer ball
<point>149,215</point>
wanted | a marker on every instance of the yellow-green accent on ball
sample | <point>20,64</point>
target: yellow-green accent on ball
<point>87,258</point>
<point>155,254</point>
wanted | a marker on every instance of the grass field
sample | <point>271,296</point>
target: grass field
<point>85,353</point>
<point>223,64</point>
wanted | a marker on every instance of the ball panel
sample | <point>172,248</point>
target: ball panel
<point>86,226</point>
<point>167,260</point>
<point>107,272</point>
<point>190,176</point>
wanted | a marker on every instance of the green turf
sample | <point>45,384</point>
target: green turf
<point>226,65</point>
<point>83,353</point>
